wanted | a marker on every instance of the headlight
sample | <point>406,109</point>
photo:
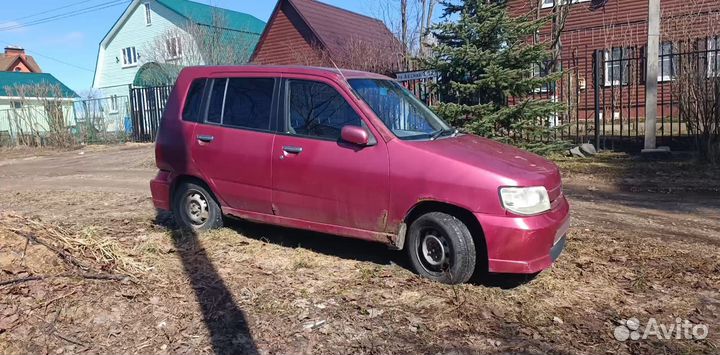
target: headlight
<point>525,201</point>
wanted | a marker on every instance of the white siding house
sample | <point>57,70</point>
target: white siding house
<point>150,26</point>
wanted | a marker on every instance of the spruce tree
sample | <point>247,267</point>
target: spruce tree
<point>485,57</point>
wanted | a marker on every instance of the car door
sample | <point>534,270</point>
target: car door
<point>233,145</point>
<point>316,176</point>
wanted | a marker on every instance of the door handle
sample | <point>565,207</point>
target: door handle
<point>206,139</point>
<point>292,150</point>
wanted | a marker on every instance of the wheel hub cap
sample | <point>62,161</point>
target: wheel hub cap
<point>434,250</point>
<point>197,208</point>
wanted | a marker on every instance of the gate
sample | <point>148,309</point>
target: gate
<point>147,105</point>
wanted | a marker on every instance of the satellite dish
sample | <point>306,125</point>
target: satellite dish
<point>597,4</point>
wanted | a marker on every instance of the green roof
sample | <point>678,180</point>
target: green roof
<point>203,14</point>
<point>12,79</point>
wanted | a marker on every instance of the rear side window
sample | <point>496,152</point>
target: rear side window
<point>217,99</point>
<point>248,102</point>
<point>317,110</point>
<point>193,103</point>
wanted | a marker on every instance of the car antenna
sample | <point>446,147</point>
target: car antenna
<point>338,70</point>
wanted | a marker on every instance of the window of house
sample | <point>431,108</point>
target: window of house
<point>248,103</point>
<point>713,55</point>
<point>129,56</point>
<point>317,110</point>
<point>148,14</point>
<point>113,103</point>
<point>666,65</point>
<point>617,66</point>
<point>541,71</point>
<point>16,104</point>
<point>173,47</point>
<point>193,103</point>
<point>551,3</point>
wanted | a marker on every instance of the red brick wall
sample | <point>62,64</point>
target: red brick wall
<point>622,23</point>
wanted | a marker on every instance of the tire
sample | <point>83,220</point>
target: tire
<point>195,208</point>
<point>441,248</point>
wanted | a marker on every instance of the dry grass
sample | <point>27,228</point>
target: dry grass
<point>87,249</point>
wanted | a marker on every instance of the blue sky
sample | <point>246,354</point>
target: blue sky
<point>68,47</point>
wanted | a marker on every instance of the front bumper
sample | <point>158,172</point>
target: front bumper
<point>526,245</point>
<point>160,190</point>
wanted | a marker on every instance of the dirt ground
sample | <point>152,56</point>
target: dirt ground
<point>88,266</point>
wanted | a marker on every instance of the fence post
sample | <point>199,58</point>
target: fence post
<point>597,74</point>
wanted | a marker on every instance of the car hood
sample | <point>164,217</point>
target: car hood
<point>502,160</point>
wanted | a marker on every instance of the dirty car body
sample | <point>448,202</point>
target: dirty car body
<point>354,154</point>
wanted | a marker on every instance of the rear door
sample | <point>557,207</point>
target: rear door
<point>233,145</point>
<point>316,176</point>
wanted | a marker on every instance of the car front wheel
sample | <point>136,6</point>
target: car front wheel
<point>441,248</point>
<point>195,208</point>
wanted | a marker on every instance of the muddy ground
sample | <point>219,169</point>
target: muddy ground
<point>88,266</point>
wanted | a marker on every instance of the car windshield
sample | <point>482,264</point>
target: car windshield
<point>400,110</point>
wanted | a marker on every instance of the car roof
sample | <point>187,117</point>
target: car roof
<point>198,71</point>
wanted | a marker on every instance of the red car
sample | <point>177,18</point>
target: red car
<point>354,154</point>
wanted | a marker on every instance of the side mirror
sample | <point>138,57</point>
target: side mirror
<point>355,135</point>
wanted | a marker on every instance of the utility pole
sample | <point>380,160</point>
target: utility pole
<point>651,81</point>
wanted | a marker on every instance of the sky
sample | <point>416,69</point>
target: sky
<point>67,46</point>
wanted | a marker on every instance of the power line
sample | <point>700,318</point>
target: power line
<point>48,11</point>
<point>65,15</point>
<point>53,59</point>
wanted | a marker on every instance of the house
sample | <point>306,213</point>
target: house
<point>309,32</point>
<point>15,59</point>
<point>33,104</point>
<point>153,39</point>
<point>603,54</point>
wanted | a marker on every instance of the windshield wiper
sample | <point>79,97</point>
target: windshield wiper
<point>437,134</point>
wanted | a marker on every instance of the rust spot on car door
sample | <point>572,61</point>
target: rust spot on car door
<point>382,221</point>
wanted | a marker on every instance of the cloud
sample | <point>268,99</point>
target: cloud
<point>12,27</point>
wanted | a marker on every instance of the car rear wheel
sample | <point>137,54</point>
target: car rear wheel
<point>195,208</point>
<point>441,248</point>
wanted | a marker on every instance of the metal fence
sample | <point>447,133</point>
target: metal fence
<point>102,120</point>
<point>603,93</point>
<point>147,106</point>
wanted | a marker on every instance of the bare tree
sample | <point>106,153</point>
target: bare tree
<point>356,54</point>
<point>694,66</point>
<point>201,44</point>
<point>40,115</point>
<point>410,21</point>
<point>426,22</point>
<point>404,21</point>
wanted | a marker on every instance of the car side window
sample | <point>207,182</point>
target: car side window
<point>317,110</point>
<point>248,102</point>
<point>193,102</point>
<point>217,100</point>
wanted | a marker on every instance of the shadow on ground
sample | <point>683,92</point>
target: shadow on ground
<point>344,248</point>
<point>225,321</point>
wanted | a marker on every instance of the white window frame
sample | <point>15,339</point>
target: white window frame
<point>133,58</point>
<point>536,71</point>
<point>550,3</point>
<point>113,104</point>
<point>608,62</point>
<point>670,57</point>
<point>148,14</point>
<point>178,48</point>
<point>713,57</point>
